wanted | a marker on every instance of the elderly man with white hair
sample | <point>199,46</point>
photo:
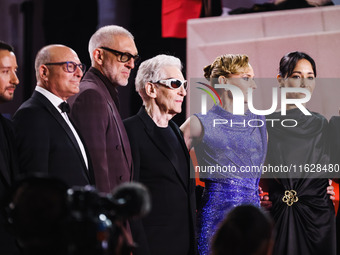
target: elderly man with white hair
<point>161,159</point>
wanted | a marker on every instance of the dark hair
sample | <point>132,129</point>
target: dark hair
<point>6,46</point>
<point>246,230</point>
<point>289,61</point>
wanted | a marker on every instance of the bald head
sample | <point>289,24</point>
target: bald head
<point>48,54</point>
<point>58,70</point>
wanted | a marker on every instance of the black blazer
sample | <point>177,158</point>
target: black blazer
<point>8,172</point>
<point>8,164</point>
<point>46,143</point>
<point>169,228</point>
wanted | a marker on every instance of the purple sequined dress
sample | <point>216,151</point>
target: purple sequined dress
<point>230,156</point>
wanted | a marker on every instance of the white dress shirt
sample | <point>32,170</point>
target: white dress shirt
<point>56,101</point>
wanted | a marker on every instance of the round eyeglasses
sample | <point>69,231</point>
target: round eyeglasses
<point>71,66</point>
<point>173,83</point>
<point>122,56</point>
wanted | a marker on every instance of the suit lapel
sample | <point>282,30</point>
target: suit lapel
<point>158,140</point>
<point>89,173</point>
<point>57,116</point>
<point>122,133</point>
<point>119,123</point>
<point>180,138</point>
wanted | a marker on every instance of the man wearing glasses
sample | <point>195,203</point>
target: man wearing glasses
<point>47,140</point>
<point>161,158</point>
<point>95,110</point>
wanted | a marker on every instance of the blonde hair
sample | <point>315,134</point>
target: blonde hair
<point>225,65</point>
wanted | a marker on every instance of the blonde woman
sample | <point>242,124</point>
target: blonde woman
<point>226,146</point>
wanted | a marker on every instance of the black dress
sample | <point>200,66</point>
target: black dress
<point>334,131</point>
<point>303,213</point>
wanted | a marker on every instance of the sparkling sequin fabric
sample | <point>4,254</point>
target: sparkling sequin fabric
<point>239,144</point>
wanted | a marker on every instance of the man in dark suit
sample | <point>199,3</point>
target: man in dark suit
<point>95,110</point>
<point>47,141</point>
<point>161,159</point>
<point>8,156</point>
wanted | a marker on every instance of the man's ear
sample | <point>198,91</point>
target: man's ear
<point>44,72</point>
<point>280,80</point>
<point>98,56</point>
<point>150,90</point>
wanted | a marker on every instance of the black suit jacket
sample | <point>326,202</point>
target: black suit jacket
<point>46,143</point>
<point>169,228</point>
<point>8,172</point>
<point>8,163</point>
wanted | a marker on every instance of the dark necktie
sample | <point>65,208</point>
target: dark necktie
<point>64,107</point>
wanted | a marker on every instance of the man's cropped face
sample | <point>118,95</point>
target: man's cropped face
<point>8,75</point>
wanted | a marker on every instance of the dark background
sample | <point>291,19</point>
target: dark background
<point>29,25</point>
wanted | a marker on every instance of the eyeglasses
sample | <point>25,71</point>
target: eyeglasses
<point>123,56</point>
<point>173,83</point>
<point>71,66</point>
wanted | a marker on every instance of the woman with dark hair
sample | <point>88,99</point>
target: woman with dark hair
<point>302,210</point>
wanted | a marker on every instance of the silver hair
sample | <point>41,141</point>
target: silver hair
<point>152,70</point>
<point>105,36</point>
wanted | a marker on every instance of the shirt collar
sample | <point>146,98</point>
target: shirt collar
<point>56,101</point>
